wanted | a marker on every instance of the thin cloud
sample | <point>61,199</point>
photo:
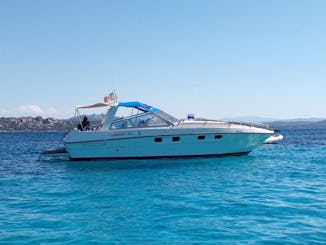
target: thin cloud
<point>52,110</point>
<point>31,110</point>
<point>4,111</point>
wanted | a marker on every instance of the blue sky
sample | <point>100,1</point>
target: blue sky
<point>213,58</point>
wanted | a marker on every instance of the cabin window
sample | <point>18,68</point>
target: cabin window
<point>158,139</point>
<point>134,118</point>
<point>121,124</point>
<point>201,137</point>
<point>176,138</point>
<point>218,136</point>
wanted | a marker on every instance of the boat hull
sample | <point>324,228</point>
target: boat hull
<point>166,146</point>
<point>162,157</point>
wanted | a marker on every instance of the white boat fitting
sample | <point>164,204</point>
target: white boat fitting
<point>133,130</point>
<point>274,139</point>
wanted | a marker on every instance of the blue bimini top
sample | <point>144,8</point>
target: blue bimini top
<point>140,106</point>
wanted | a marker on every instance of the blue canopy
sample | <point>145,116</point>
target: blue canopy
<point>140,106</point>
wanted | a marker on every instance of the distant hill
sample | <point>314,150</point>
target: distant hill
<point>269,119</point>
<point>311,119</point>
<point>298,124</point>
<point>91,118</point>
<point>30,124</point>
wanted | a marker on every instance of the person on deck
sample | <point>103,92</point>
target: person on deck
<point>85,124</point>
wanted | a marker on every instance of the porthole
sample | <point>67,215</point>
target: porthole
<point>201,137</point>
<point>158,139</point>
<point>218,136</point>
<point>176,138</point>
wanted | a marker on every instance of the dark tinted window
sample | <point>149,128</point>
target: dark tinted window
<point>176,138</point>
<point>158,139</point>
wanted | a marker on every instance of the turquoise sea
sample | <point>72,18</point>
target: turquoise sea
<point>275,195</point>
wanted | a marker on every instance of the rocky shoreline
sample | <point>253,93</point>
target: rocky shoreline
<point>39,124</point>
<point>35,124</point>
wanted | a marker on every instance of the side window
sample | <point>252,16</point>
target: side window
<point>122,123</point>
<point>148,120</point>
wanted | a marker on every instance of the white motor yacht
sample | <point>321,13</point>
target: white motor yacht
<point>133,130</point>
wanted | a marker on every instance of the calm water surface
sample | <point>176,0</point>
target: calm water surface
<point>276,194</point>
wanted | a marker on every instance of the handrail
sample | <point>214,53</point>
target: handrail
<point>251,124</point>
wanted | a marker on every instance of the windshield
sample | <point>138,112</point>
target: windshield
<point>134,118</point>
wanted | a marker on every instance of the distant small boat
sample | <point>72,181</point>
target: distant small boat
<point>274,139</point>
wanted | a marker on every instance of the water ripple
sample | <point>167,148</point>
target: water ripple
<point>274,195</point>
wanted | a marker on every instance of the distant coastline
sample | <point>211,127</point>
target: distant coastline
<point>39,124</point>
<point>300,124</point>
<point>34,124</point>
